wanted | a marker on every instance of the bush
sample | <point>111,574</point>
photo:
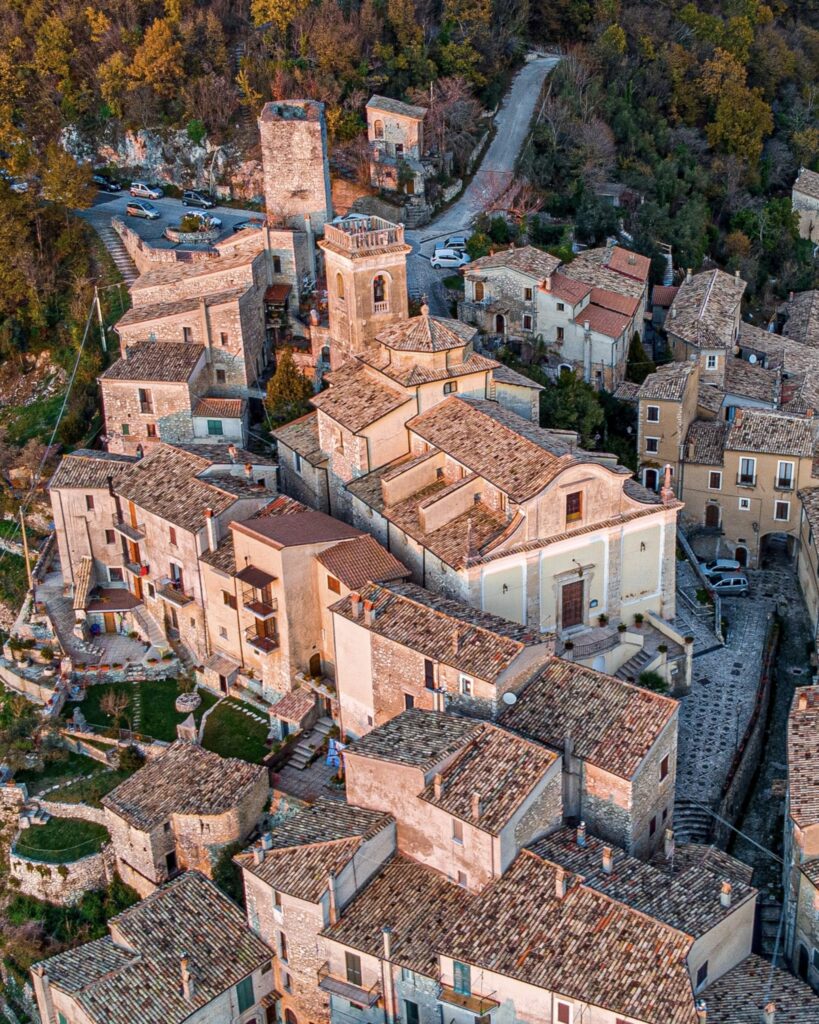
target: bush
<point>190,224</point>
<point>131,759</point>
<point>653,681</point>
<point>196,131</point>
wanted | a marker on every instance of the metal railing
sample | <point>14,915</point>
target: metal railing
<point>129,530</point>
<point>173,591</point>
<point>259,642</point>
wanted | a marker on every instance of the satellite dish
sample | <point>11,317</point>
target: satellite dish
<point>752,359</point>
<point>509,699</point>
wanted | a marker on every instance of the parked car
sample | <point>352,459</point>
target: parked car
<point>142,190</point>
<point>719,566</point>
<point>206,218</point>
<point>246,225</point>
<point>735,585</point>
<point>141,208</point>
<point>455,242</point>
<point>104,183</point>
<point>192,197</point>
<point>448,258</point>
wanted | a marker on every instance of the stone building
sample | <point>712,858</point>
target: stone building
<point>296,171</point>
<point>586,313</point>
<point>299,879</point>
<point>800,870</point>
<point>807,558</point>
<point>667,406</point>
<point>180,811</point>
<point>799,317</point>
<point>704,320</point>
<point>805,202</point>
<point>395,132</point>
<point>398,646</point>
<point>183,954</point>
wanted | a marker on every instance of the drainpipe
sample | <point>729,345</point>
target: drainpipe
<point>386,976</point>
<point>203,315</point>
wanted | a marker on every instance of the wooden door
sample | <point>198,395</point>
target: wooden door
<point>572,604</point>
<point>712,516</point>
<point>500,324</point>
<point>137,588</point>
<point>110,622</point>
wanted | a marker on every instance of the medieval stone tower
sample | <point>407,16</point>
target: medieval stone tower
<point>294,158</point>
<point>366,266</point>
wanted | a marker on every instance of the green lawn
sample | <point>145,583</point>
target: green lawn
<point>231,733</point>
<point>61,840</point>
<point>157,717</point>
<point>89,791</point>
<point>53,772</point>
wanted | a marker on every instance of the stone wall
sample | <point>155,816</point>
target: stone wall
<point>62,883</point>
<point>82,811</point>
<point>146,257</point>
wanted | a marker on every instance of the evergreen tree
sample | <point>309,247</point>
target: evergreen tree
<point>288,390</point>
<point>638,366</point>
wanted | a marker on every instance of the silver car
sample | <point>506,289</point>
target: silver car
<point>733,585</point>
<point>139,208</point>
<point>142,190</point>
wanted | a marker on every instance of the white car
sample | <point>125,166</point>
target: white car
<point>349,216</point>
<point>719,566</point>
<point>142,190</point>
<point>448,258</point>
<point>211,222</point>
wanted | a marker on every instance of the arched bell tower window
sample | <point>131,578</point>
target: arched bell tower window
<point>339,286</point>
<point>381,301</point>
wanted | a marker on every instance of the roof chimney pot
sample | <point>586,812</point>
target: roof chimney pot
<point>702,1011</point>
<point>608,860</point>
<point>232,451</point>
<point>369,612</point>
<point>249,470</point>
<point>476,805</point>
<point>386,934</point>
<point>581,834</point>
<point>561,883</point>
<point>802,702</point>
<point>547,283</point>
<point>769,1013</point>
<point>668,843</point>
<point>688,275</point>
<point>438,785</point>
<point>355,604</point>
<point>188,985</point>
<point>725,894</point>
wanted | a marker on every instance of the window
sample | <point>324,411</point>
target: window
<point>151,590</point>
<point>784,475</point>
<point>229,599</point>
<point>782,511</point>
<point>479,291</point>
<point>223,633</point>
<point>352,964</point>
<point>652,444</point>
<point>223,339</point>
<point>429,674</point>
<point>702,974</point>
<point>125,429</point>
<point>277,264</point>
<point>215,428</point>
<point>333,585</point>
<point>110,537</point>
<point>287,985</point>
<point>665,813</point>
<point>115,575</point>
<point>744,504</point>
<point>466,686</point>
<point>561,307</point>
<point>378,129</point>
<point>187,335</point>
<point>339,286</point>
<point>150,430</point>
<point>715,481</point>
<point>574,506</point>
<point>282,946</point>
<point>409,701</point>
<point>711,362</point>
<point>277,900</point>
<point>664,768</point>
<point>462,879</point>
<point>527,321</point>
<point>457,831</point>
<point>527,294</point>
<point>297,462</point>
<point>653,413</point>
<point>146,402</point>
<point>244,994</point>
<point>89,503</point>
<point>450,386</point>
<point>564,1013</point>
<point>461,979</point>
<point>61,1019</point>
<point>560,333</point>
<point>652,826</point>
<point>379,291</point>
<point>747,472</point>
<point>221,377</point>
<point>172,535</point>
<point>411,1012</point>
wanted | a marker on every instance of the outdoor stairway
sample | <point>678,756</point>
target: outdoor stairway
<point>119,254</point>
<point>692,823</point>
<point>769,913</point>
<point>634,666</point>
<point>150,627</point>
<point>306,748</point>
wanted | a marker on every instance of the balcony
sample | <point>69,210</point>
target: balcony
<point>346,989</point>
<point>362,236</point>
<point>262,609</point>
<point>173,592</point>
<point>743,480</point>
<point>479,1005</point>
<point>381,307</point>
<point>784,484</point>
<point>256,594</point>
<point>259,642</point>
<point>133,533</point>
<point>137,568</point>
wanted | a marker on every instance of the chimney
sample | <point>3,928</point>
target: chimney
<point>632,258</point>
<point>673,312</point>
<point>668,843</point>
<point>355,604</point>
<point>725,894</point>
<point>438,785</point>
<point>688,276</point>
<point>333,900</point>
<point>386,934</point>
<point>561,883</point>
<point>314,318</point>
<point>188,985</point>
<point>736,274</point>
<point>608,860</point>
<point>233,451</point>
<point>456,640</point>
<point>667,491</point>
<point>212,524</point>
<point>702,1011</point>
<point>769,1013</point>
<point>475,805</point>
<point>258,854</point>
<point>581,834</point>
<point>267,840</point>
<point>802,702</point>
<point>547,283</point>
<point>586,326</point>
<point>249,470</point>
<point>369,612</point>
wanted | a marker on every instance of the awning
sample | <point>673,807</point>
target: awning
<point>222,665</point>
<point>278,294</point>
<point>255,577</point>
<point>83,582</point>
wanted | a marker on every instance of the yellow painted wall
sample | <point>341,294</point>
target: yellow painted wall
<point>591,554</point>
<point>510,605</point>
<point>641,567</point>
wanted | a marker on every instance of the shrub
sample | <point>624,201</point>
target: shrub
<point>47,652</point>
<point>653,681</point>
<point>190,224</point>
<point>196,131</point>
<point>131,758</point>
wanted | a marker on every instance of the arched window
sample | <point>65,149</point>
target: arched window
<point>339,286</point>
<point>378,129</point>
<point>290,1017</point>
<point>479,291</point>
<point>380,298</point>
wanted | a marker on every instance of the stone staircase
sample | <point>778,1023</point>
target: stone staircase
<point>769,912</point>
<point>306,748</point>
<point>150,627</point>
<point>692,823</point>
<point>635,665</point>
<point>119,254</point>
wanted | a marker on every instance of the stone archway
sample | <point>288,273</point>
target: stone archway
<point>500,323</point>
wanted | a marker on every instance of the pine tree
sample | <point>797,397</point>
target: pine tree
<point>288,390</point>
<point>638,366</point>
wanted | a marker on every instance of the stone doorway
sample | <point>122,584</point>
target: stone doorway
<point>571,601</point>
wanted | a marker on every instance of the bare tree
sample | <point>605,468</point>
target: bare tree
<point>114,704</point>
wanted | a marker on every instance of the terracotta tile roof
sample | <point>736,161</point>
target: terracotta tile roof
<point>705,442</point>
<point>160,310</point>
<point>408,376</point>
<point>594,266</point>
<point>283,505</point>
<point>566,289</point>
<point>225,456</point>
<point>810,869</point>
<point>514,454</point>
<point>627,391</point>
<point>797,361</point>
<point>528,260</point>
<point>294,706</point>
<point>356,562</point>
<point>186,779</point>
<point>740,995</point>
<point>391,106</point>
<point>612,724</point>
<point>296,528</point>
<point>688,856</point>
<point>758,430</point>
<point>309,845</point>
<point>420,739</point>
<point>302,436</point>
<point>88,469</point>
<point>182,274</point>
<point>747,381</point>
<point>357,397</point>
<point>803,769</point>
<point>189,915</point>
<point>162,362</point>
<point>627,305</point>
<point>221,408</point>
<point>426,334</point>
<point>519,927</point>
<point>635,490</point>
<point>415,902</point>
<point>802,313</point>
<point>663,295</point>
<point>688,899</point>
<point>501,768</point>
<point>632,264</point>
<point>807,183</point>
<point>710,398</point>
<point>667,383</point>
<point>704,311</point>
<point>83,582</point>
<point>469,640</point>
<point>603,321</point>
<point>506,375</point>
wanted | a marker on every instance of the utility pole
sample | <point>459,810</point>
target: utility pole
<point>98,304</point>
<point>25,552</point>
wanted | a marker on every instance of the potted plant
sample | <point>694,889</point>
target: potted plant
<point>689,640</point>
<point>602,619</point>
<point>621,627</point>
<point>568,645</point>
<point>638,619</point>
<point>47,653</point>
<point>662,648</point>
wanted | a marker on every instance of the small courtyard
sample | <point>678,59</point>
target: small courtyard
<point>61,840</point>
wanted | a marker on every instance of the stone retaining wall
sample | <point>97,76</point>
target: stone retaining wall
<point>146,257</point>
<point>63,883</point>
<point>81,811</point>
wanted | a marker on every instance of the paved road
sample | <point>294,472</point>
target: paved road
<point>512,125</point>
